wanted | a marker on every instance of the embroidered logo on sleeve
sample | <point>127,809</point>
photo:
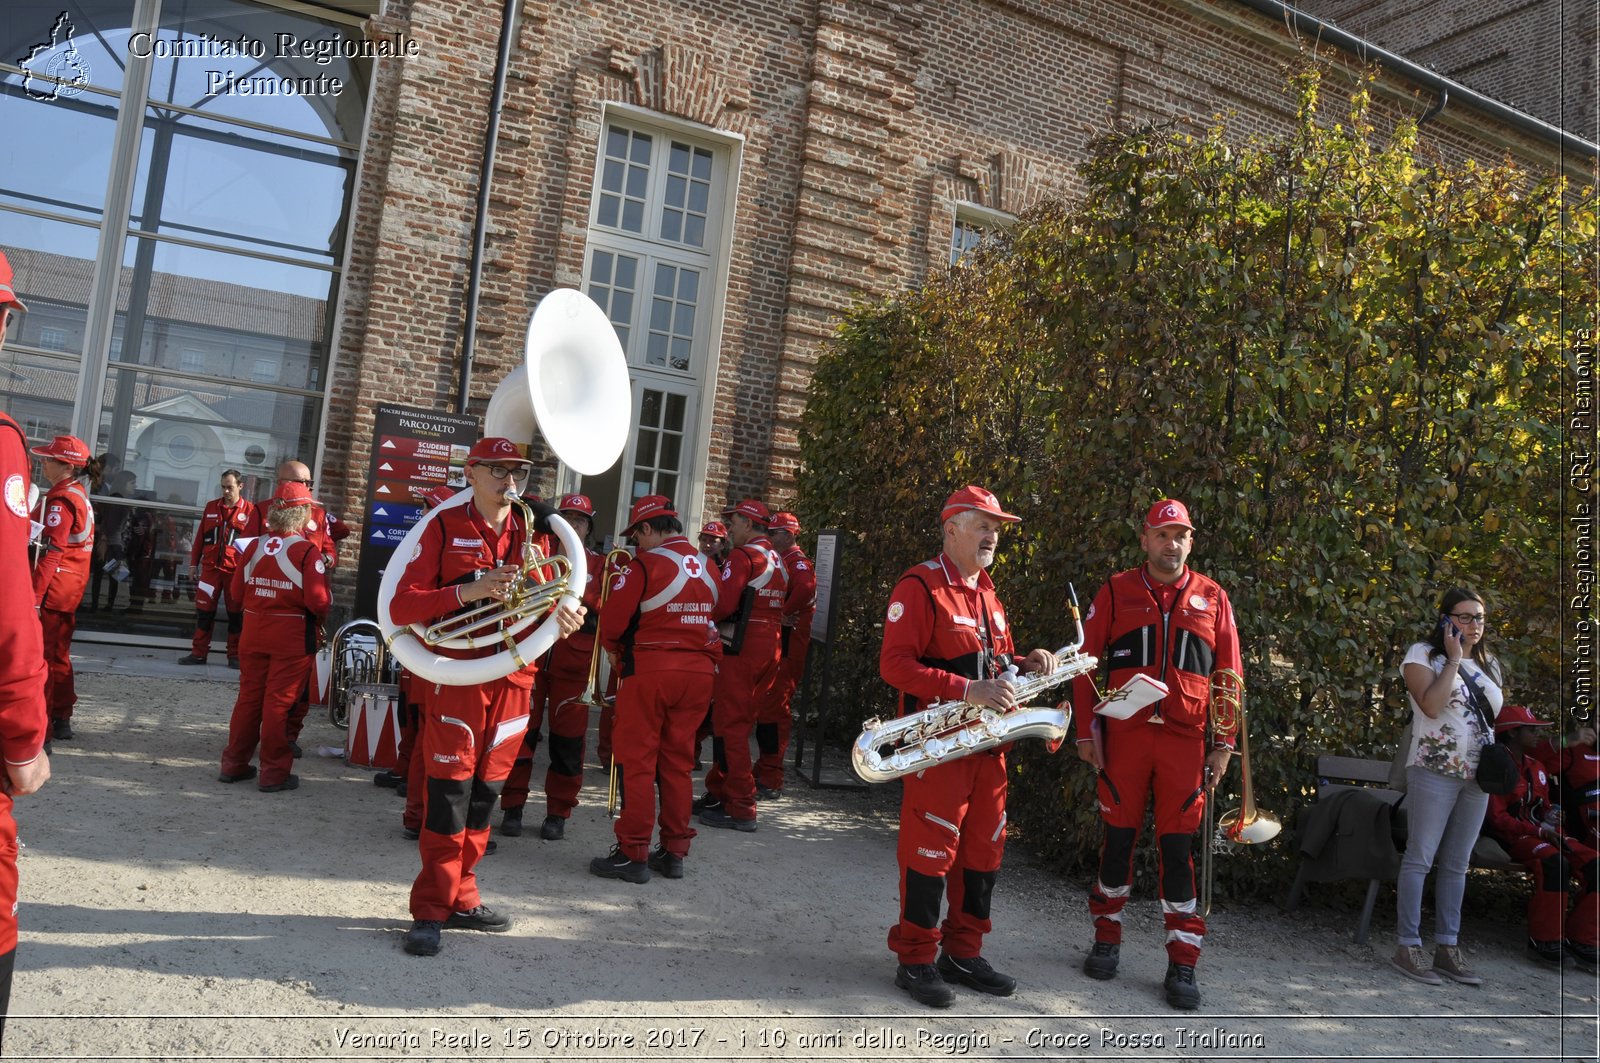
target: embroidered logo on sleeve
<point>54,519</point>
<point>896,611</point>
<point>1197,602</point>
<point>17,495</point>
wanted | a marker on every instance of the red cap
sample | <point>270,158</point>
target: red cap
<point>293,493</point>
<point>647,507</point>
<point>756,511</point>
<point>576,504</point>
<point>437,496</point>
<point>785,522</point>
<point>496,449</point>
<point>973,497</point>
<point>716,528</point>
<point>1168,511</point>
<point>68,449</point>
<point>8,294</point>
<point>1517,716</point>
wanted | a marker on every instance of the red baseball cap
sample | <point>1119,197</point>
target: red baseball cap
<point>647,507</point>
<point>437,496</point>
<point>8,294</point>
<point>576,504</point>
<point>785,522</point>
<point>68,449</point>
<point>1168,511</point>
<point>758,512</point>
<point>495,448</point>
<point>715,528</point>
<point>1517,716</point>
<point>293,493</point>
<point>974,497</point>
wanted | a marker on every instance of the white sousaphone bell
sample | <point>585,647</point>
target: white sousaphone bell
<point>573,386</point>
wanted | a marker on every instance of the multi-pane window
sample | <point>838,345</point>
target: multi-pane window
<point>973,225</point>
<point>658,448</point>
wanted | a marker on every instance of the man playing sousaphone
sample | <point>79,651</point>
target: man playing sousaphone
<point>468,553</point>
<point>946,639</point>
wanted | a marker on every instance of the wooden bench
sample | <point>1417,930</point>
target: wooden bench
<point>1336,773</point>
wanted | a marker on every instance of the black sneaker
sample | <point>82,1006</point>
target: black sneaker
<point>1101,963</point>
<point>716,817</point>
<point>975,973</point>
<point>1585,956</point>
<point>248,772</point>
<point>923,982</point>
<point>482,918</point>
<point>290,782</point>
<point>400,788</point>
<point>704,802</point>
<point>423,937</point>
<point>294,748</point>
<point>233,662</point>
<point>553,829</point>
<point>511,822</point>
<point>191,659</point>
<point>388,779</point>
<point>61,730</point>
<point>490,846</point>
<point>1545,951</point>
<point>617,865</point>
<point>767,793</point>
<point>667,865</point>
<point>411,834</point>
<point>1182,993</point>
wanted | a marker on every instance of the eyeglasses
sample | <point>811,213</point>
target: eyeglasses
<point>500,472</point>
<point>307,482</point>
<point>1464,619</point>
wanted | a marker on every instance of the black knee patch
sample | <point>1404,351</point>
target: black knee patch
<point>1116,855</point>
<point>719,753</point>
<point>566,755</point>
<point>480,805</point>
<point>1591,875</point>
<point>206,621</point>
<point>1177,867</point>
<point>924,895</point>
<point>979,888</point>
<point>1555,873</point>
<point>447,805</point>
<point>767,737</point>
<point>235,621</point>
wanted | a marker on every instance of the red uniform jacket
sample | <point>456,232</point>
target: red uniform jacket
<point>1178,633</point>
<point>63,569</point>
<point>939,635</point>
<point>220,525</point>
<point>22,668</point>
<point>754,567</point>
<point>327,531</point>
<point>570,657</point>
<point>456,546</point>
<point>284,587</point>
<point>801,601</point>
<point>658,612</point>
<point>1520,813</point>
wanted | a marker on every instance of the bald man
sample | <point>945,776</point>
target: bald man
<point>325,531</point>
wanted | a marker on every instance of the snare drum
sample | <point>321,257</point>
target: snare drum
<point>372,739</point>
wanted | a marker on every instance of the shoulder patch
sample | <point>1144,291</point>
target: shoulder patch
<point>1197,602</point>
<point>17,495</point>
<point>896,611</point>
<point>54,519</point>
<point>319,567</point>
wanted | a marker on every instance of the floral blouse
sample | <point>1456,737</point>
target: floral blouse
<point>1450,744</point>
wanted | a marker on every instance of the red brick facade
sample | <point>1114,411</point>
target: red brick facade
<point>863,124</point>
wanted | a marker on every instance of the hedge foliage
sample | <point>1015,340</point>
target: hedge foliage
<point>1346,356</point>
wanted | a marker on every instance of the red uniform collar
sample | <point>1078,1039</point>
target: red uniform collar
<point>952,574</point>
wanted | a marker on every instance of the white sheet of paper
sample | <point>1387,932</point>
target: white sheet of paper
<point>1132,696</point>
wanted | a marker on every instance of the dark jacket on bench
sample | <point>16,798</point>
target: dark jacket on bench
<point>1349,834</point>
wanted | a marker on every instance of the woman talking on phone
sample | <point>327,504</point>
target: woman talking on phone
<point>1454,686</point>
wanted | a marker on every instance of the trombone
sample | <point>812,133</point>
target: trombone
<point>1246,825</point>
<point>594,693</point>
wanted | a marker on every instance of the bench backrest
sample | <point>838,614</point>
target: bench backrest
<point>1336,773</point>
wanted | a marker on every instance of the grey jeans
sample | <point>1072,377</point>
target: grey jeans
<point>1444,815</point>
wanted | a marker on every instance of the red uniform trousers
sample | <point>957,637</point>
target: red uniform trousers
<point>775,723</point>
<point>1549,918</point>
<point>659,713</point>
<point>470,737</point>
<point>8,885</point>
<point>568,724</point>
<point>413,691</point>
<point>59,693</point>
<point>299,710</point>
<point>952,835</point>
<point>268,685</point>
<point>514,794</point>
<point>743,685</point>
<point>1141,758</point>
<point>205,606</point>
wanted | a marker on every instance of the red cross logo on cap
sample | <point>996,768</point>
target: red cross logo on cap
<point>1169,511</point>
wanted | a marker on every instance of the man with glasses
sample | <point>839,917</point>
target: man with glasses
<point>1166,621</point>
<point>468,554</point>
<point>211,563</point>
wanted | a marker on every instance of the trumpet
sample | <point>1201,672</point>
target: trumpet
<point>1247,824</point>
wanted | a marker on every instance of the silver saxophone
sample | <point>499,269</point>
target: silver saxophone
<point>949,730</point>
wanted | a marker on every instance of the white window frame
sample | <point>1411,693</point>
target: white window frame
<point>976,216</point>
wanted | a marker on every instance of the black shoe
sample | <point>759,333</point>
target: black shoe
<point>511,823</point>
<point>1585,956</point>
<point>923,982</point>
<point>616,865</point>
<point>553,829</point>
<point>388,779</point>
<point>411,833</point>
<point>423,937</point>
<point>294,748</point>
<point>975,973</point>
<point>233,662</point>
<point>716,817</point>
<point>490,846</point>
<point>667,865</point>
<point>767,793</point>
<point>248,772</point>
<point>191,659</point>
<point>61,730</point>
<point>482,918</point>
<point>1182,993</point>
<point>1545,951</point>
<point>1101,963</point>
<point>290,782</point>
<point>400,788</point>
<point>704,802</point>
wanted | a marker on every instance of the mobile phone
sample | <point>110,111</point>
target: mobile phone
<point>1446,625</point>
